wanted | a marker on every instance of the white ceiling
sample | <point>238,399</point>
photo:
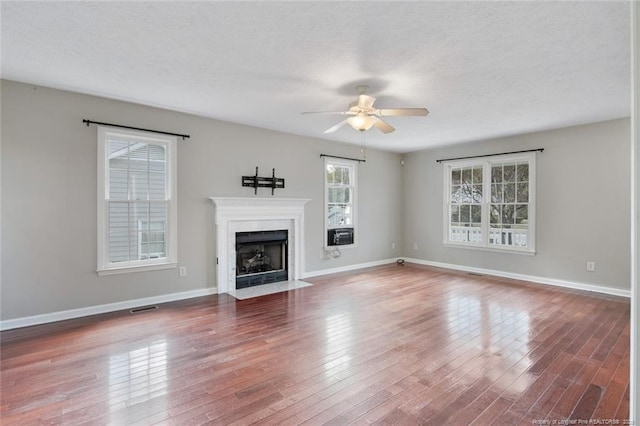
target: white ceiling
<point>483,69</point>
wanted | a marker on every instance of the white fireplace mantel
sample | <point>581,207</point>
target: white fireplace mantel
<point>242,214</point>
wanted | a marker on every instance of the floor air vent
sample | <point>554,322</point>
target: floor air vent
<point>143,309</point>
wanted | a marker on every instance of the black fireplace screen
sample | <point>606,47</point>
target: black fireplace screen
<point>261,257</point>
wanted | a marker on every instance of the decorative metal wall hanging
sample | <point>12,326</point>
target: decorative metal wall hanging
<point>256,182</point>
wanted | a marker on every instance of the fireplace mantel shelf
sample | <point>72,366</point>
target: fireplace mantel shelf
<point>240,202</point>
<point>260,199</point>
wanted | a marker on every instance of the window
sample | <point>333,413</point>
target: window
<point>490,203</point>
<point>340,202</point>
<point>136,201</point>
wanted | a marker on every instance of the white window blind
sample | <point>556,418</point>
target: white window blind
<point>138,200</point>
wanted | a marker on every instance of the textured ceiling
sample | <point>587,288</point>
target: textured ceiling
<point>483,69</point>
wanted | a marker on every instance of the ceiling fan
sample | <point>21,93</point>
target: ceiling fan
<point>364,116</point>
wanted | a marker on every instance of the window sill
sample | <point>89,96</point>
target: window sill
<point>344,246</point>
<point>137,268</point>
<point>525,252</point>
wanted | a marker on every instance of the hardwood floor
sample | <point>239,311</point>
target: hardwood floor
<point>388,345</point>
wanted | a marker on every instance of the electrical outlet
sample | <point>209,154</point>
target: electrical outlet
<point>393,246</point>
<point>415,246</point>
<point>183,271</point>
<point>591,266</point>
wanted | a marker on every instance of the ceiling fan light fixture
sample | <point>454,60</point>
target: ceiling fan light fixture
<point>361,121</point>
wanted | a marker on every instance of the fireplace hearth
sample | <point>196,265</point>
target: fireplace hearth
<point>261,257</point>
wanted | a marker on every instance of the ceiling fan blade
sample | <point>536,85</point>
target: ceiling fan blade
<point>336,127</point>
<point>383,126</point>
<point>365,101</point>
<point>416,112</point>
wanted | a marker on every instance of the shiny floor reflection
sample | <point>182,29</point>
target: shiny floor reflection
<point>338,335</point>
<point>138,375</point>
<point>500,329</point>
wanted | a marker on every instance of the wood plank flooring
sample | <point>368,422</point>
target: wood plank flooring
<point>388,345</point>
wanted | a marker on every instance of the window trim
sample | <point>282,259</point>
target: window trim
<point>354,197</point>
<point>104,267</point>
<point>486,200</point>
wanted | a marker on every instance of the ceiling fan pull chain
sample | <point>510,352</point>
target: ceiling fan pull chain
<point>362,148</point>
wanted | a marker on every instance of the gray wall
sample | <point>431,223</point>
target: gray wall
<point>49,197</point>
<point>583,187</point>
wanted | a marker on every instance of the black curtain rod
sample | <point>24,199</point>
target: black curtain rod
<point>343,158</point>
<point>490,155</point>
<point>134,128</point>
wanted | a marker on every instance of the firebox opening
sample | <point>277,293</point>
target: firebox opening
<point>261,257</point>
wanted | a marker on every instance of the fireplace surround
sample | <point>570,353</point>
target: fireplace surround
<point>233,215</point>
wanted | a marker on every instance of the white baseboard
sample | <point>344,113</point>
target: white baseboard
<point>101,309</point>
<point>348,268</point>
<point>523,277</point>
